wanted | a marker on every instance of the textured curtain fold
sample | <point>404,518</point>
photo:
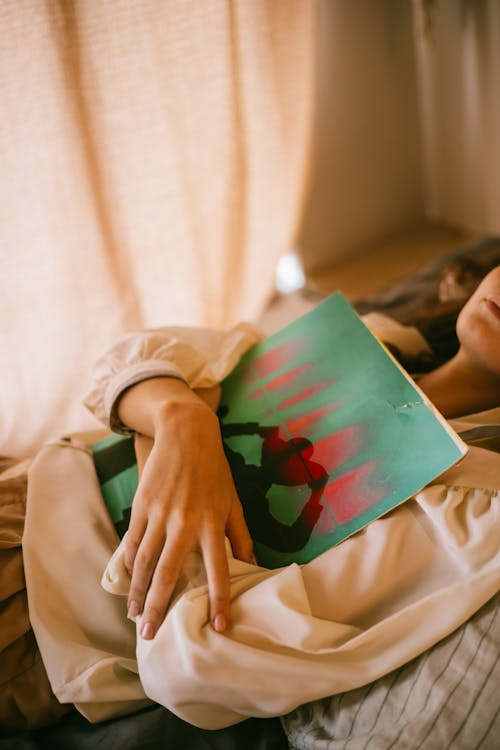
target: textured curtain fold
<point>154,159</point>
<point>458,66</point>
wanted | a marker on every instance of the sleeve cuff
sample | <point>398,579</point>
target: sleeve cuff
<point>125,379</point>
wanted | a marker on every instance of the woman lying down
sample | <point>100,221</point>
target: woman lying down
<point>178,612</point>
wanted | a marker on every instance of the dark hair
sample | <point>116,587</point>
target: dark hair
<point>433,298</point>
<point>457,282</point>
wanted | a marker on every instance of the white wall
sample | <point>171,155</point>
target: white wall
<point>367,177</point>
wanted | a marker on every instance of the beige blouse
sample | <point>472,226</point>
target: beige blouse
<point>356,612</point>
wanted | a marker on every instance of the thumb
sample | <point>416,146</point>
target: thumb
<point>238,534</point>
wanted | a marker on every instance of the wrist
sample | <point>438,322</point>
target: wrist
<point>184,409</point>
<point>143,406</point>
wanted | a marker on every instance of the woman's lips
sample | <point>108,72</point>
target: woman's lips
<point>493,305</point>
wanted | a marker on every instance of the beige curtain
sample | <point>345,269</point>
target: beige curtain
<point>458,67</point>
<point>153,161</point>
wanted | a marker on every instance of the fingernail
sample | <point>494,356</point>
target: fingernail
<point>133,610</point>
<point>148,631</point>
<point>219,623</point>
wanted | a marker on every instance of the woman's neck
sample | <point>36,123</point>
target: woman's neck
<point>458,388</point>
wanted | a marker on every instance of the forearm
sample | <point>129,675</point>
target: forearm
<point>162,384</point>
<point>146,405</point>
<point>199,357</point>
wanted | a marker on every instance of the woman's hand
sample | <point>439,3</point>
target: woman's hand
<point>185,500</point>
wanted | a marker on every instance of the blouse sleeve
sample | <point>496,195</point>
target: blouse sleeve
<point>199,357</point>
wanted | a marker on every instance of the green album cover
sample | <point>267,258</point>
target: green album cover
<point>325,432</point>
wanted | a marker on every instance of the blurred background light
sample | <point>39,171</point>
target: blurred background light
<point>289,274</point>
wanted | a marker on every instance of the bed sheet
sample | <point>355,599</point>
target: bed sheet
<point>151,729</point>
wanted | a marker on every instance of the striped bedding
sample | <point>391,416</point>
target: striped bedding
<point>449,697</point>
